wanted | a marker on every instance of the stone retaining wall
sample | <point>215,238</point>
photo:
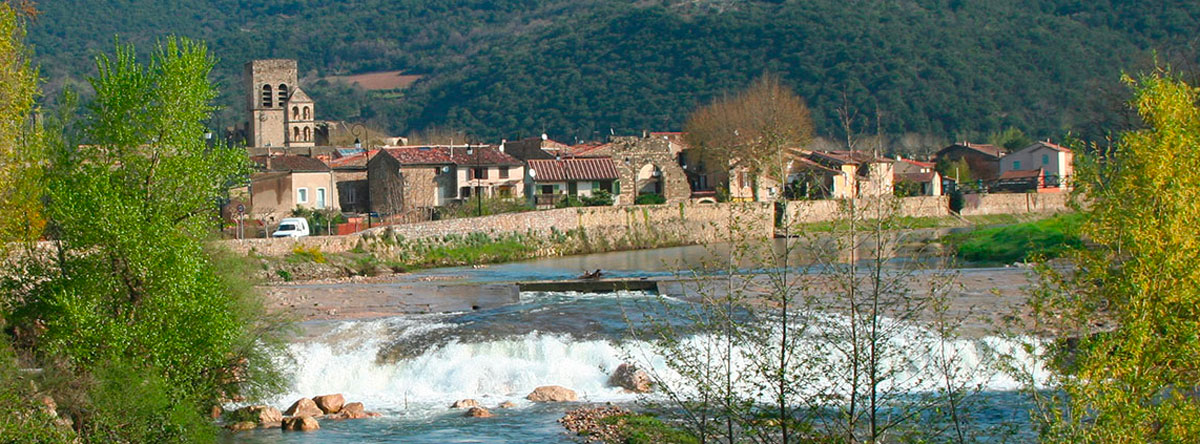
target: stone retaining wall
<point>1014,203</point>
<point>679,223</point>
<point>826,210</point>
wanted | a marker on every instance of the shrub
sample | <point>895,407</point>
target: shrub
<point>650,199</point>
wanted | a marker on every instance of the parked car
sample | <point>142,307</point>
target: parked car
<point>292,227</point>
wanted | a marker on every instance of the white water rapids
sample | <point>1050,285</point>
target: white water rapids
<point>347,360</point>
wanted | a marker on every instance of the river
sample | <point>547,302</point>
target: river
<point>411,367</point>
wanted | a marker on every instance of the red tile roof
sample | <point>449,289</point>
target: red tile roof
<point>353,161</point>
<point>915,177</point>
<point>918,163</point>
<point>290,163</point>
<point>577,168</point>
<point>990,150</point>
<point>1047,144</point>
<point>588,150</point>
<point>444,155</point>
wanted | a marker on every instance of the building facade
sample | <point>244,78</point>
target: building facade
<point>280,113</point>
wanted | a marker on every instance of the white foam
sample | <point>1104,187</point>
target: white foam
<point>346,361</point>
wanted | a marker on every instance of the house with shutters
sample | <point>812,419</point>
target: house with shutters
<point>408,178</point>
<point>549,181</point>
<point>284,183</point>
<point>1044,166</point>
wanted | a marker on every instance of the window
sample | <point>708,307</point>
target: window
<point>1016,164</point>
<point>595,186</point>
<point>306,113</point>
<point>295,134</point>
<point>302,195</point>
<point>504,172</point>
<point>480,173</point>
<point>307,134</point>
<point>321,198</point>
<point>1045,159</point>
<point>547,189</point>
<point>283,95</point>
<point>266,96</point>
<point>464,192</point>
<point>295,113</point>
<point>351,195</point>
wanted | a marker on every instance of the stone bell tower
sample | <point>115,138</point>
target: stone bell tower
<point>269,85</point>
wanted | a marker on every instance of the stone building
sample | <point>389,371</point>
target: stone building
<point>281,114</point>
<point>647,165</point>
<point>983,160</point>
<point>403,179</point>
<point>284,183</point>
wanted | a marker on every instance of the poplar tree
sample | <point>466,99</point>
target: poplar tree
<point>1133,301</point>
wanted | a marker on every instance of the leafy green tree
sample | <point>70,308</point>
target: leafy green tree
<point>1132,300</point>
<point>958,170</point>
<point>1011,139</point>
<point>20,147</point>
<point>133,299</point>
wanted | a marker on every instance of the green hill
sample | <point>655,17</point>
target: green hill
<point>950,68</point>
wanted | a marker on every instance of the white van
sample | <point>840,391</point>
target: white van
<point>292,227</point>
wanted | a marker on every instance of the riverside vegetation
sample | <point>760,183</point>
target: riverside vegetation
<point>129,328</point>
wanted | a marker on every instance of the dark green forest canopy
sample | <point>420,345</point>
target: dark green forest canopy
<point>510,68</point>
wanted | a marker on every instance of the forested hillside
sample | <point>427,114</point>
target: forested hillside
<point>509,68</point>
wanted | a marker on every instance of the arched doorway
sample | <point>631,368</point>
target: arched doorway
<point>649,180</point>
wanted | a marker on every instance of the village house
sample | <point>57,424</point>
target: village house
<point>350,176</point>
<point>284,183</point>
<point>863,174</point>
<point>415,178</point>
<point>548,181</point>
<point>983,160</point>
<point>917,178</point>
<point>1043,166</point>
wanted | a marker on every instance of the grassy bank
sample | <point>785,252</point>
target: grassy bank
<point>389,252</point>
<point>1045,239</point>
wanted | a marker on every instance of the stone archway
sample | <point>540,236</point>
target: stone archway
<point>649,180</point>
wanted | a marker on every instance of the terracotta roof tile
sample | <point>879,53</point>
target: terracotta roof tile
<point>444,155</point>
<point>577,168</point>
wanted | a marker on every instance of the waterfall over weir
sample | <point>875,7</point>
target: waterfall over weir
<point>417,365</point>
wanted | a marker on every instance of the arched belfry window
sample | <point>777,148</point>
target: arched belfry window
<point>283,94</point>
<point>295,134</point>
<point>295,113</point>
<point>266,96</point>
<point>306,117</point>
<point>307,134</point>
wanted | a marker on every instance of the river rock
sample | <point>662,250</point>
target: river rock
<point>263,415</point>
<point>629,377</point>
<point>353,410</point>
<point>215,412</point>
<point>303,423</point>
<point>465,404</point>
<point>507,405</point>
<point>478,412</point>
<point>303,407</point>
<point>552,393</point>
<point>242,426</point>
<point>329,403</point>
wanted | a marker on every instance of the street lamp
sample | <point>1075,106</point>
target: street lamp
<point>358,143</point>
<point>478,181</point>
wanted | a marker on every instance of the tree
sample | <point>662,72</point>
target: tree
<point>133,299</point>
<point>1132,300</point>
<point>1011,139</point>
<point>20,147</point>
<point>752,130</point>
